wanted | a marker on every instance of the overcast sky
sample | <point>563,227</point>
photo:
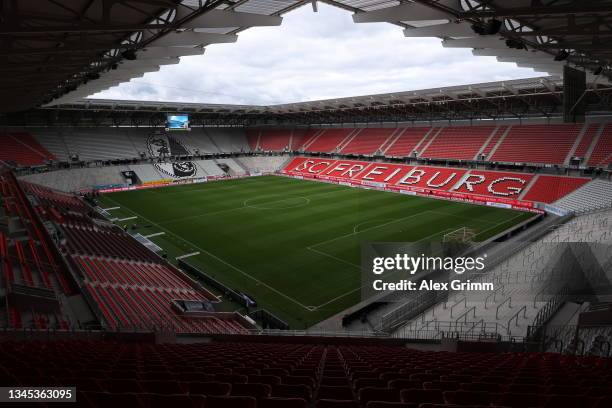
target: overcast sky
<point>315,56</point>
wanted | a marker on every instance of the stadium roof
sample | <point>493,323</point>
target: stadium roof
<point>515,99</point>
<point>494,90</point>
<point>56,52</point>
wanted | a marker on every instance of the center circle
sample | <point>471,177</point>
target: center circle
<point>276,203</point>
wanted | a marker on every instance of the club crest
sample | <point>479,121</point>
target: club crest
<point>163,147</point>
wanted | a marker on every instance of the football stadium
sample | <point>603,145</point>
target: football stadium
<point>425,248</point>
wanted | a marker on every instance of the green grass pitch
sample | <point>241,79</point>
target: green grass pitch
<point>292,244</point>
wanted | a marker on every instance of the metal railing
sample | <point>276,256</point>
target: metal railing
<point>516,317</point>
<point>509,300</point>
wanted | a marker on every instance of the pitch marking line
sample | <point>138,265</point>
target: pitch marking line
<point>201,190</point>
<point>111,208</point>
<point>498,224</point>
<point>188,255</point>
<point>157,234</point>
<point>367,229</point>
<point>356,227</point>
<point>126,219</point>
<point>359,288</point>
<point>240,208</point>
<point>422,239</point>
<point>333,257</point>
<point>221,260</point>
<point>304,203</point>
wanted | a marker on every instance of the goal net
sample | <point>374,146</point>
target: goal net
<point>463,235</point>
<point>457,242</point>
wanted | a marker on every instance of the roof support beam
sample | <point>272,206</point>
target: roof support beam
<point>403,12</point>
<point>222,19</point>
<point>548,11</point>
<point>190,38</point>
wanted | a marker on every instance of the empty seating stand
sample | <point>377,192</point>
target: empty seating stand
<point>591,196</point>
<point>303,137</point>
<point>28,263</point>
<point>587,139</point>
<point>368,141</point>
<point>255,375</point>
<point>407,142</point>
<point>602,153</point>
<point>23,149</point>
<point>329,140</point>
<point>270,140</point>
<point>548,189</point>
<point>499,143</point>
<point>139,295</point>
<point>540,144</point>
<point>460,143</point>
<point>105,243</point>
<point>253,138</point>
<point>56,199</point>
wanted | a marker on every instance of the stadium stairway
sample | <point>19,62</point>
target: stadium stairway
<point>601,154</point>
<point>210,168</point>
<point>199,140</point>
<point>229,140</point>
<point>531,144</point>
<point>459,143</point>
<point>367,141</point>
<point>328,140</point>
<point>235,167</point>
<point>523,284</point>
<point>407,142</point>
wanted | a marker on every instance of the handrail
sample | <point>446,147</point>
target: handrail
<point>582,345</point>
<point>494,294</point>
<point>508,299</point>
<point>464,300</point>
<point>516,315</point>
<point>535,298</point>
<point>481,321</point>
<point>464,315</point>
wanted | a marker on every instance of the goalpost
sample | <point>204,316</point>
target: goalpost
<point>456,242</point>
<point>461,235</point>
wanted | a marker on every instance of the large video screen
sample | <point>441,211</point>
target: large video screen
<point>177,122</point>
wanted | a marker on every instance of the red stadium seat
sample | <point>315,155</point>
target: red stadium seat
<point>231,402</point>
<point>335,392</point>
<point>209,388</point>
<point>368,394</point>
<point>420,396</point>
<point>336,404</point>
<point>467,398</point>
<point>292,391</point>
<point>254,390</point>
<point>274,402</point>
